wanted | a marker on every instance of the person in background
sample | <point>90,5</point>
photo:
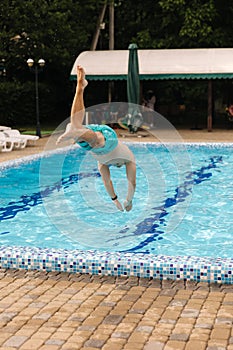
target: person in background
<point>149,106</point>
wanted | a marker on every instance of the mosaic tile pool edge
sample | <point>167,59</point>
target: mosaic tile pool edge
<point>118,264</point>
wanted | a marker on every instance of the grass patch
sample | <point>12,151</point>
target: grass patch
<point>31,130</point>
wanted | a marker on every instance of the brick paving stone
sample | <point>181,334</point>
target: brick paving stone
<point>204,325</point>
<point>109,304</point>
<point>123,287</point>
<point>48,347</point>
<point>147,321</point>
<point>32,344</point>
<point>124,326</point>
<point>93,321</point>
<point>179,336</point>
<point>168,292</point>
<point>181,294</point>
<point>167,321</point>
<point>138,337</point>
<point>200,337</point>
<point>218,342</point>
<point>116,341</point>
<point>158,337</point>
<point>162,300</point>
<point>171,314</point>
<point>220,333</point>
<point>123,335</point>
<point>137,311</point>
<point>154,345</point>
<point>175,345</point>
<point>111,346</point>
<point>94,343</point>
<point>59,335</point>
<point>69,346</point>
<point>133,317</point>
<point>144,329</point>
<point>86,328</point>
<point>3,338</point>
<point>100,336</point>
<point>191,285</point>
<point>7,316</point>
<point>177,302</point>
<point>150,317</point>
<point>195,345</point>
<point>132,346</point>
<point>15,341</point>
<point>119,310</point>
<point>164,328</point>
<point>103,327</point>
<point>79,337</point>
<point>183,328</point>
<point>190,313</point>
<point>112,319</point>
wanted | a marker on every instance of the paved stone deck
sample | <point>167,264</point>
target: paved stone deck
<point>51,311</point>
<point>46,311</point>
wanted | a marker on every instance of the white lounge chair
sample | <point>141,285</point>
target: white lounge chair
<point>17,141</point>
<point>1,145</point>
<point>24,138</point>
<point>7,144</point>
<point>3,128</point>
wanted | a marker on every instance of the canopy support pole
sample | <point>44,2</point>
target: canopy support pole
<point>111,44</point>
<point>210,106</point>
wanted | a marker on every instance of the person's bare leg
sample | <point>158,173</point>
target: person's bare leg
<point>78,108</point>
<point>74,128</point>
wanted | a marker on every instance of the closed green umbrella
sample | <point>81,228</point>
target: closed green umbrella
<point>133,82</point>
<point>134,117</point>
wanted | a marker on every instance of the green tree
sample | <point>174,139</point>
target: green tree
<point>196,23</point>
<point>174,23</point>
<point>57,30</point>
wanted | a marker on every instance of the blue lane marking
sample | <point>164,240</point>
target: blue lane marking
<point>27,202</point>
<point>152,225</point>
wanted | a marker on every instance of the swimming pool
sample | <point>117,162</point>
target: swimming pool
<point>55,214</point>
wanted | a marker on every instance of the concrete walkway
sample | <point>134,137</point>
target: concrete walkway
<point>185,135</point>
<point>51,311</point>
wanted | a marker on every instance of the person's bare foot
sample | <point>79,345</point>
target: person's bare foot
<point>81,76</point>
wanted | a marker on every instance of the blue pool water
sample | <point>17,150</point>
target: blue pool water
<point>183,202</point>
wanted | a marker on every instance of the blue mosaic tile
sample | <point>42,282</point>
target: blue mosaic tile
<point>118,264</point>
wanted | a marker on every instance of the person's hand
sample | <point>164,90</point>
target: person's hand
<point>128,205</point>
<point>69,133</point>
<point>118,205</point>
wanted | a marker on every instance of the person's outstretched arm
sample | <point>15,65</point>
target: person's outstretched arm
<point>106,177</point>
<point>131,176</point>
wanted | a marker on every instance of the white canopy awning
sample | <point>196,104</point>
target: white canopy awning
<point>158,64</point>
